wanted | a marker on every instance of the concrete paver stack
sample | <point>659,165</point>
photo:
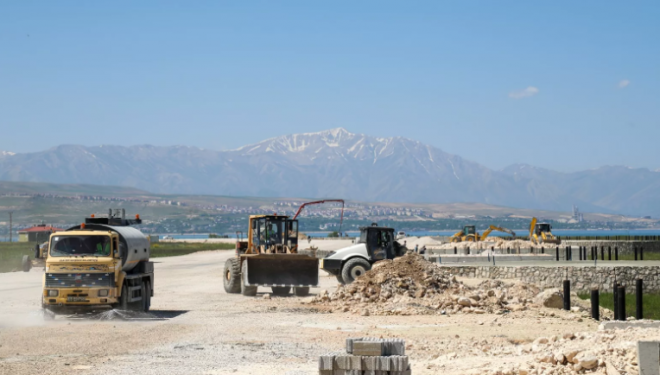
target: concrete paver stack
<point>367,356</point>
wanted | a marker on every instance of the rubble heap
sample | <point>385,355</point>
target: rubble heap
<point>411,285</point>
<point>367,356</point>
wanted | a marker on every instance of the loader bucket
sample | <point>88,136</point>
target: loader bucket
<point>295,270</point>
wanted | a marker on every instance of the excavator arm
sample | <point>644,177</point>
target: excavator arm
<point>341,220</point>
<point>532,226</point>
<point>499,229</point>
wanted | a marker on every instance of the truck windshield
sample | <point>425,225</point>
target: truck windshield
<point>64,246</point>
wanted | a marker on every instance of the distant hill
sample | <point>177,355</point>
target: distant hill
<point>337,163</point>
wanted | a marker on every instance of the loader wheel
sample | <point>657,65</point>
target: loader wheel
<point>249,291</point>
<point>232,276</point>
<point>340,279</point>
<point>301,291</point>
<point>281,290</point>
<point>353,269</point>
<point>26,263</point>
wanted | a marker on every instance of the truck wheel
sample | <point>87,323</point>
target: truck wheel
<point>340,279</point>
<point>123,299</point>
<point>353,269</point>
<point>301,291</point>
<point>249,291</point>
<point>232,276</point>
<point>281,290</point>
<point>26,263</point>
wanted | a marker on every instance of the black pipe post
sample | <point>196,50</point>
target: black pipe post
<point>616,253</point>
<point>635,253</point>
<point>621,296</point>
<point>641,253</point>
<point>615,292</point>
<point>468,250</point>
<point>567,295</point>
<point>609,253</point>
<point>557,254</point>
<point>639,288</point>
<point>455,250</point>
<point>542,250</point>
<point>570,252</point>
<point>602,253</point>
<point>580,252</point>
<point>595,306</point>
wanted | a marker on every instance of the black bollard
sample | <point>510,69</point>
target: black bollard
<point>468,250</point>
<point>566,254</point>
<point>602,253</point>
<point>567,295</point>
<point>542,250</point>
<point>455,250</point>
<point>557,256</point>
<point>621,297</point>
<point>609,253</point>
<point>635,253</point>
<point>639,288</point>
<point>595,308</point>
<point>616,301</point>
<point>580,251</point>
<point>616,253</point>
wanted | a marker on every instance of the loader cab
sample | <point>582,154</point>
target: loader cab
<point>543,228</point>
<point>469,230</point>
<point>274,234</point>
<point>379,242</point>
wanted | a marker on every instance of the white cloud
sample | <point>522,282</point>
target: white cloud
<point>624,83</point>
<point>526,93</point>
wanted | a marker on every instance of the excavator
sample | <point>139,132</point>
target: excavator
<point>269,257</point>
<point>470,234</point>
<point>499,229</point>
<point>542,233</point>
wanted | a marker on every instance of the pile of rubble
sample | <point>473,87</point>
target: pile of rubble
<point>367,356</point>
<point>411,285</point>
<point>497,243</point>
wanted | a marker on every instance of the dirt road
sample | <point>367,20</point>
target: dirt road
<point>206,331</point>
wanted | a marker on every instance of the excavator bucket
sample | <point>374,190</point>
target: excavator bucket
<point>294,270</point>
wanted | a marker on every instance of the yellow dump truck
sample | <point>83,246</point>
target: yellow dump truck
<point>103,262</point>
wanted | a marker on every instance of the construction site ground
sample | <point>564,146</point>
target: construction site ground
<point>200,329</point>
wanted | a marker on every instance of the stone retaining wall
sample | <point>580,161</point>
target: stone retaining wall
<point>583,279</point>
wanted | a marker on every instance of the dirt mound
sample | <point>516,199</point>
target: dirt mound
<point>411,285</point>
<point>493,242</point>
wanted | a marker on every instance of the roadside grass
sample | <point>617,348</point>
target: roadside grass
<point>169,249</point>
<point>11,254</point>
<point>650,303</point>
<point>647,256</point>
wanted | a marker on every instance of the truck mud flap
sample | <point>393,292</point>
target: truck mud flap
<point>294,270</point>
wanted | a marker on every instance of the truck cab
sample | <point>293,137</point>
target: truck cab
<point>102,262</point>
<point>375,243</point>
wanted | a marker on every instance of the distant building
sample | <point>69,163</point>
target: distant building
<point>38,233</point>
<point>577,215</point>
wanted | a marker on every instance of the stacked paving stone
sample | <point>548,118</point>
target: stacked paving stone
<point>367,356</point>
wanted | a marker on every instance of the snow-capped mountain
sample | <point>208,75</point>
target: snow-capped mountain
<point>337,163</point>
<point>7,153</point>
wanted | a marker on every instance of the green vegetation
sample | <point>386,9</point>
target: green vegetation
<point>11,254</point>
<point>169,249</point>
<point>334,234</point>
<point>647,256</point>
<point>651,304</point>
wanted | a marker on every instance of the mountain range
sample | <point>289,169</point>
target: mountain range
<point>337,163</point>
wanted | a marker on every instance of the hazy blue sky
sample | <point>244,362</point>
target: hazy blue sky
<point>559,84</point>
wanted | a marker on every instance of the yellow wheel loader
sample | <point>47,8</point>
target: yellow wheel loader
<point>269,258</point>
<point>540,233</point>
<point>468,234</point>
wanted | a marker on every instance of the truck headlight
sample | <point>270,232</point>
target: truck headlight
<point>103,293</point>
<point>53,293</point>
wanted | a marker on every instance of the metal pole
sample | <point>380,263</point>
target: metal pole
<point>557,254</point>
<point>621,296</point>
<point>615,292</point>
<point>616,253</point>
<point>580,251</point>
<point>609,253</point>
<point>455,250</point>
<point>602,253</point>
<point>639,288</point>
<point>10,226</point>
<point>595,308</point>
<point>567,294</point>
<point>468,250</point>
<point>542,250</point>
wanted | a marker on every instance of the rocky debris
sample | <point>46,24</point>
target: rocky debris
<point>411,285</point>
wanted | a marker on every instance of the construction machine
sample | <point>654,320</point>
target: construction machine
<point>269,257</point>
<point>468,234</point>
<point>496,228</point>
<point>542,233</point>
<point>375,243</point>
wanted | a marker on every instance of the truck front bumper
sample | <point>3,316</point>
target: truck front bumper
<point>79,297</point>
